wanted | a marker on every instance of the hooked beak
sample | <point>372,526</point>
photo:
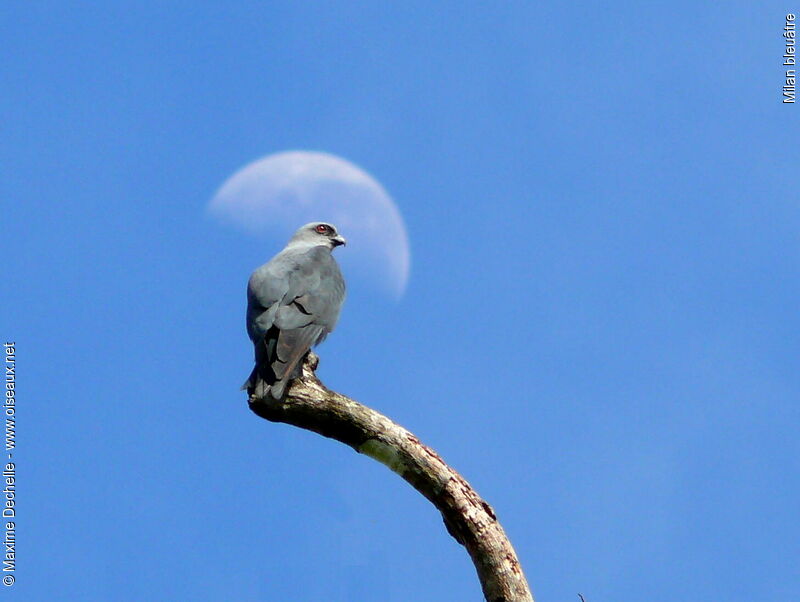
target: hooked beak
<point>339,240</point>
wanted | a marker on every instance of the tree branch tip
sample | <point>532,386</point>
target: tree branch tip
<point>312,361</point>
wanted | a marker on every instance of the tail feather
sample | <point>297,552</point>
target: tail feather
<point>261,381</point>
<point>277,388</point>
<point>248,384</point>
<point>272,374</point>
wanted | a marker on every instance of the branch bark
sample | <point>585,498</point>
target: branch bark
<point>308,404</point>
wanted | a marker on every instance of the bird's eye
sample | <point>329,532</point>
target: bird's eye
<point>322,228</point>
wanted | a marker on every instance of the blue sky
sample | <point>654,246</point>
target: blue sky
<point>600,329</point>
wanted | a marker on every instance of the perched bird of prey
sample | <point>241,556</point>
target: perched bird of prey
<point>293,302</point>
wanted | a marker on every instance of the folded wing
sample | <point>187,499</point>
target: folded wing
<point>293,303</point>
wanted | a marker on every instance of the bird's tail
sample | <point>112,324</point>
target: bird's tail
<point>248,384</point>
<point>261,383</point>
<point>262,377</point>
<point>280,359</point>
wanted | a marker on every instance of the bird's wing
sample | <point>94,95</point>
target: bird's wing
<point>293,303</point>
<point>291,347</point>
<point>308,312</point>
<point>315,292</point>
<point>265,290</point>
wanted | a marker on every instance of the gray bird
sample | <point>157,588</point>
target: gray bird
<point>293,302</point>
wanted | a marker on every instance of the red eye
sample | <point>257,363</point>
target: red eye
<point>321,228</point>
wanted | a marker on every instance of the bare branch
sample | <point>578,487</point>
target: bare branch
<point>468,518</point>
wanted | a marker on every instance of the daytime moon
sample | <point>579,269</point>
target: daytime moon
<point>278,193</point>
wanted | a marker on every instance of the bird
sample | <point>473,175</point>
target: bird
<point>293,303</point>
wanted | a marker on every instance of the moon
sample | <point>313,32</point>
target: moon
<point>278,193</point>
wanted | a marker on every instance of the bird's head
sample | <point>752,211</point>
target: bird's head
<point>318,234</point>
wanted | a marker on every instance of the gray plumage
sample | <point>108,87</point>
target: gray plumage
<point>293,303</point>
